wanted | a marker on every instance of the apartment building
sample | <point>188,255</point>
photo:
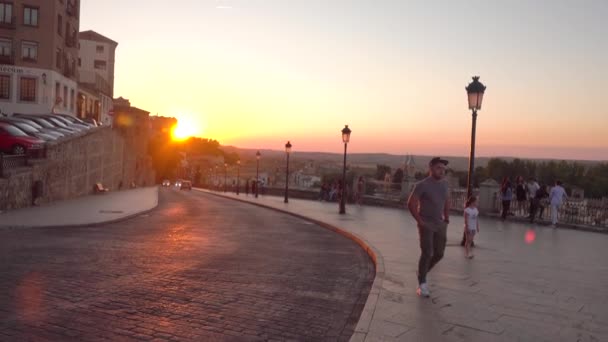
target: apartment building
<point>96,76</point>
<point>39,56</point>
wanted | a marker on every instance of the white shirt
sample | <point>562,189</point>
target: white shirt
<point>557,195</point>
<point>471,214</point>
<point>532,189</point>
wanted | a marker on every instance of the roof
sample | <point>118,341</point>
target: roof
<point>94,36</point>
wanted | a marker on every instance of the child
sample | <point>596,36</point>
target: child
<point>471,224</point>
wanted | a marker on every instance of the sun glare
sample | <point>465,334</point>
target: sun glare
<point>183,130</point>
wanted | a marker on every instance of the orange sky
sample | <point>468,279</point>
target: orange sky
<point>257,73</point>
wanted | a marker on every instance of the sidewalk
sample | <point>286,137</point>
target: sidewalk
<point>526,283</point>
<point>88,210</point>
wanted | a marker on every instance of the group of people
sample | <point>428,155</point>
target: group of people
<point>532,196</point>
<point>331,193</point>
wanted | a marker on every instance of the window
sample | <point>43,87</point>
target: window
<point>5,87</point>
<point>58,58</point>
<point>101,65</point>
<point>72,100</point>
<point>57,90</point>
<point>100,48</point>
<point>30,51</point>
<point>65,96</point>
<point>6,13</point>
<point>59,24</point>
<point>27,89</point>
<point>6,47</point>
<point>30,16</point>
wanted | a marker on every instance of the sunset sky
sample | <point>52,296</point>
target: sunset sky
<point>255,73</point>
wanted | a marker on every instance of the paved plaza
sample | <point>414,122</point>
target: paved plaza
<point>198,268</point>
<point>526,283</point>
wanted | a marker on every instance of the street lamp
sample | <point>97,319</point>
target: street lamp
<point>345,139</point>
<point>238,176</point>
<point>257,173</point>
<point>287,152</point>
<point>475,92</point>
<point>225,176</point>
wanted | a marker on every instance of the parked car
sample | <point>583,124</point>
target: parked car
<point>48,131</point>
<point>45,123</point>
<point>76,120</point>
<point>185,185</point>
<point>166,182</point>
<point>30,130</point>
<point>15,141</point>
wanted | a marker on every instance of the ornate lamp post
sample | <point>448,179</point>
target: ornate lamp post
<point>238,176</point>
<point>287,152</point>
<point>345,139</point>
<point>475,92</point>
<point>257,173</point>
<point>225,176</point>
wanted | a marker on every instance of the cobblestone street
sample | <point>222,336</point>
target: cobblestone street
<point>195,269</point>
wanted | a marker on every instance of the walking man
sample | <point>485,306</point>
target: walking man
<point>429,204</point>
<point>532,187</point>
<point>556,198</point>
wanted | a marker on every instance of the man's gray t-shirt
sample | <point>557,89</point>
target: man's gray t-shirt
<point>432,195</point>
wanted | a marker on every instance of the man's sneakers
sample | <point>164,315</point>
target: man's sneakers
<point>423,290</point>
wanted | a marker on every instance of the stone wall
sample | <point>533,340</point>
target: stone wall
<point>72,167</point>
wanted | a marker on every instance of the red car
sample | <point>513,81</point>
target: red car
<point>15,141</point>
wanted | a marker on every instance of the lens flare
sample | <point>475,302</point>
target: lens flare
<point>530,236</point>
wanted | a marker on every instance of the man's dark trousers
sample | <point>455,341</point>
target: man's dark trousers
<point>432,245</point>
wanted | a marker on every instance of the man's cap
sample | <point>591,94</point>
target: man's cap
<point>438,160</point>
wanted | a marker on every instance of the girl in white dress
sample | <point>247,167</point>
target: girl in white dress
<point>471,224</point>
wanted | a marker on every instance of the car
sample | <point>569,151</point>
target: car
<point>30,130</point>
<point>45,123</point>
<point>178,183</point>
<point>15,141</point>
<point>75,120</point>
<point>166,182</point>
<point>48,131</point>
<point>185,185</point>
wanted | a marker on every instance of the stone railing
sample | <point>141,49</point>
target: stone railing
<point>8,162</point>
<point>583,212</point>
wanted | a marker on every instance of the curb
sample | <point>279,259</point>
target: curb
<point>92,224</point>
<point>367,314</point>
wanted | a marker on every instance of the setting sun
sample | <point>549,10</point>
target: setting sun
<point>183,130</point>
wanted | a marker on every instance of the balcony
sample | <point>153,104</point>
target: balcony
<point>11,25</point>
<point>7,60</point>
<point>72,9</point>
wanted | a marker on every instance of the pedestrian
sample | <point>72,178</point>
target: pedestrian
<point>360,189</point>
<point>556,198</point>
<point>247,187</point>
<point>520,195</point>
<point>506,192</point>
<point>322,193</point>
<point>531,188</point>
<point>539,202</point>
<point>429,204</point>
<point>471,224</point>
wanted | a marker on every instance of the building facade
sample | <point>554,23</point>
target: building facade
<point>39,56</point>
<point>96,76</point>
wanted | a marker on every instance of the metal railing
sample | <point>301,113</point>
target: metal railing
<point>8,162</point>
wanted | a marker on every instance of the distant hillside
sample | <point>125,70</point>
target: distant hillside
<point>371,159</point>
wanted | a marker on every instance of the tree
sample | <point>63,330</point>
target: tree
<point>398,176</point>
<point>381,171</point>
